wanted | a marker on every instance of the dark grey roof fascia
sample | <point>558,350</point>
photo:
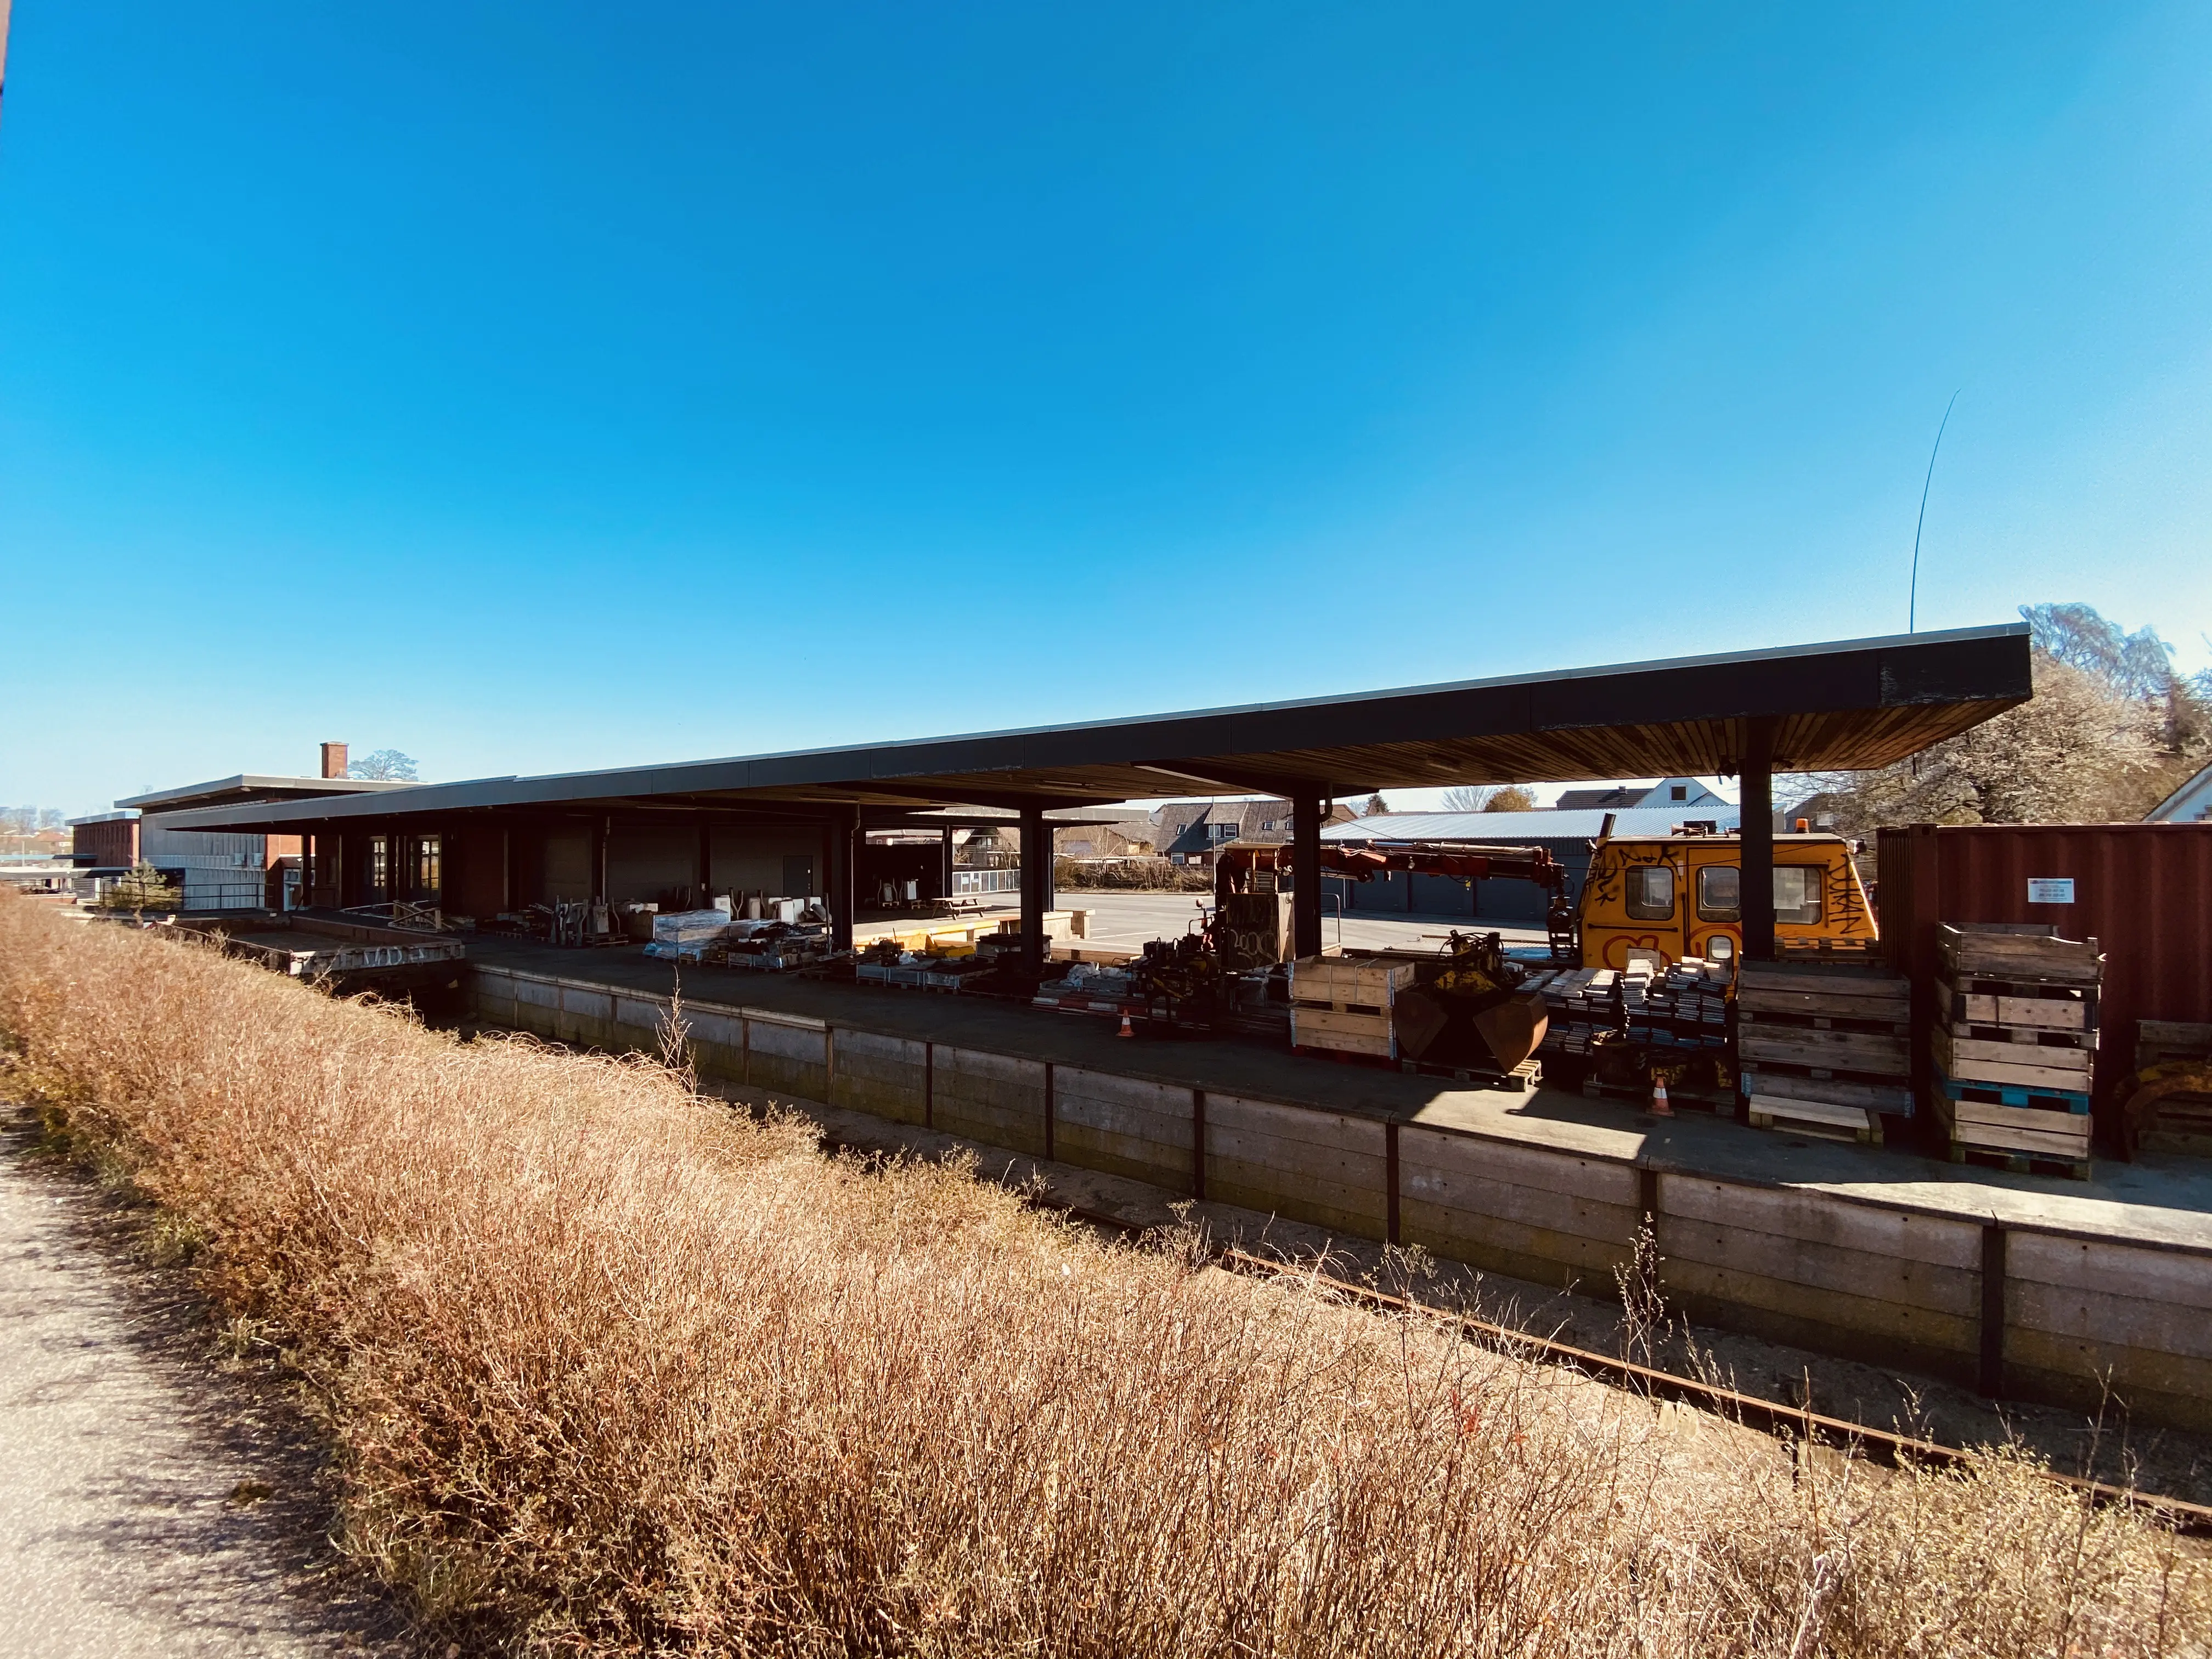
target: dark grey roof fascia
<point>1717,686</point>
<point>255,783</point>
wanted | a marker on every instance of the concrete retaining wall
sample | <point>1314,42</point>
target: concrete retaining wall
<point>2037,1314</point>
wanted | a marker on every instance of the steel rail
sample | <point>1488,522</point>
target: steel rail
<point>1789,1422</point>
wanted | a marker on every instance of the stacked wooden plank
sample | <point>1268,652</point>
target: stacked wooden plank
<point>1824,1046</point>
<point>2014,1043</point>
<point>1680,1006</point>
<point>1344,1004</point>
<point>1580,1002</point>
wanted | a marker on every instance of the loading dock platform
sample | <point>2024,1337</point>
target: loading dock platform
<point>2024,1287</point>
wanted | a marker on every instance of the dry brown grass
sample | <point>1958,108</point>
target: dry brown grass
<point>612,1370</point>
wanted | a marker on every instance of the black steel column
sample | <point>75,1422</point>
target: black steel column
<point>1757,840</point>
<point>944,864</point>
<point>844,826</point>
<point>706,866</point>
<point>1037,888</point>
<point>1305,875</point>
<point>602,831</point>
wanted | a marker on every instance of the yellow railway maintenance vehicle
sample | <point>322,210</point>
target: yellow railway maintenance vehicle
<point>1662,898</point>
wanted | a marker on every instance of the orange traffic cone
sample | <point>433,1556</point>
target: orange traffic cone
<point>1659,1106</point>
<point>1124,1030</point>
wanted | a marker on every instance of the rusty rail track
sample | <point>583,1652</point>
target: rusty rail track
<point>1793,1423</point>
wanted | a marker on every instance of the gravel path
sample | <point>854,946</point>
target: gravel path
<point>150,1505</point>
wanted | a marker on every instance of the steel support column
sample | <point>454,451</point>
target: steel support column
<point>601,832</point>
<point>705,896</point>
<point>1037,888</point>
<point>944,864</point>
<point>844,828</point>
<point>1757,841</point>
<point>1305,875</point>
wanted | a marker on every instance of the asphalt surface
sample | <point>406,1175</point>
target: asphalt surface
<point>149,1503</point>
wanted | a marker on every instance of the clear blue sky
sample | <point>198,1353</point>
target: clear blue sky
<point>538,387</point>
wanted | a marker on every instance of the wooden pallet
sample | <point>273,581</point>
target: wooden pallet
<point>2029,1134</point>
<point>2013,1094</point>
<point>1881,1092</point>
<point>2020,1162</point>
<point>1815,1117</point>
<point>1521,1079</point>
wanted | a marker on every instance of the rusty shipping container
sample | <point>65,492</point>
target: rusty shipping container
<point>2143,891</point>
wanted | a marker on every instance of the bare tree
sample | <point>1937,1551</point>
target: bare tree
<point>386,764</point>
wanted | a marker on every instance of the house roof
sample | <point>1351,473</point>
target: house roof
<point>1844,704</point>
<point>2189,804</point>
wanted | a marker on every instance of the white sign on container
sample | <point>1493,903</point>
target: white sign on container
<point>2051,889</point>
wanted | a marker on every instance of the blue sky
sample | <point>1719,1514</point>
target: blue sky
<point>546,387</point>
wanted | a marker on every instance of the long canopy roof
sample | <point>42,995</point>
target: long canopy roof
<point>1841,706</point>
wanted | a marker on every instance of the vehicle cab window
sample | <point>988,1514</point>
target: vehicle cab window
<point>1797,895</point>
<point>1720,893</point>
<point>1651,893</point>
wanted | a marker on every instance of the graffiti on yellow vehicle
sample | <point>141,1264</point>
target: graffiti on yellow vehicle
<point>1671,896</point>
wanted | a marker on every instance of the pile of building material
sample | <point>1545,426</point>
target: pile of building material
<point>1343,1005</point>
<point>1824,1046</point>
<point>1681,1005</point>
<point>1582,1002</point>
<point>687,935</point>
<point>2014,1043</point>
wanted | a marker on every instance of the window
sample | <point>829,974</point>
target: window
<point>1797,895</point>
<point>1651,893</point>
<point>1720,893</point>
<point>426,855</point>
<point>380,868</point>
<point>1679,792</point>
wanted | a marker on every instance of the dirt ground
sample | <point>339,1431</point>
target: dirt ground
<point>154,1500</point>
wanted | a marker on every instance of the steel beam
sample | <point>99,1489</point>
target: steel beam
<point>1037,888</point>
<point>1305,875</point>
<point>1756,815</point>
<point>838,888</point>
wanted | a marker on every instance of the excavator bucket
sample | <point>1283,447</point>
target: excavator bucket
<point>1512,1028</point>
<point>1418,1018</point>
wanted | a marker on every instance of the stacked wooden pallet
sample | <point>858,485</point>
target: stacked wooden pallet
<point>1824,1046</point>
<point>1343,1004</point>
<point>2014,1044</point>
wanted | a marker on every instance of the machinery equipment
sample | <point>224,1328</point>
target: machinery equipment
<point>1467,1007</point>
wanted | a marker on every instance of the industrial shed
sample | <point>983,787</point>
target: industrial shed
<point>765,820</point>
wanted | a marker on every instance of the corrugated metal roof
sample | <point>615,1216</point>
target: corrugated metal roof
<point>1514,828</point>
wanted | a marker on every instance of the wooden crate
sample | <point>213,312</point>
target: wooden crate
<point>2020,1134</point>
<point>2026,951</point>
<point>1846,991</point>
<point>1344,1004</point>
<point>1972,1060</point>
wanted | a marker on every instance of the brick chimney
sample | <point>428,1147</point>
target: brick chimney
<point>334,760</point>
